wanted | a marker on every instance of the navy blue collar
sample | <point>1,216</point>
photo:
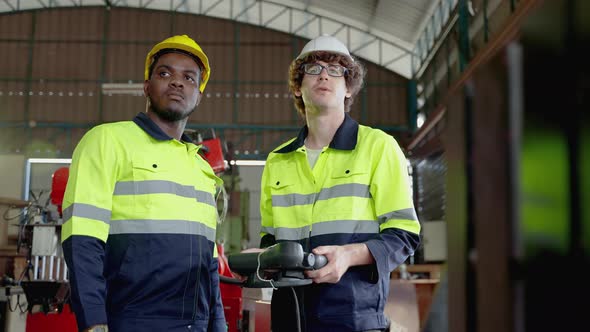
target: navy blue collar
<point>144,122</point>
<point>345,137</point>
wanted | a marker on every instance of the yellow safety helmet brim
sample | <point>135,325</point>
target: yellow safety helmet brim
<point>186,44</point>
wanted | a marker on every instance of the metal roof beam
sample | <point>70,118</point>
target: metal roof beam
<point>212,7</point>
<point>306,23</point>
<point>10,5</point>
<point>182,3</point>
<point>244,10</point>
<point>265,24</point>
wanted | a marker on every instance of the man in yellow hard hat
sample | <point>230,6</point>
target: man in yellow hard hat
<point>139,210</point>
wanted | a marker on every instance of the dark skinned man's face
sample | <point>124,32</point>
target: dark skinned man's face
<point>173,87</point>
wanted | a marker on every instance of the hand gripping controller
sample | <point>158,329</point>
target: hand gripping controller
<point>281,265</point>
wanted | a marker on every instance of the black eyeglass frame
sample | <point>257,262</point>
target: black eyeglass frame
<point>305,70</point>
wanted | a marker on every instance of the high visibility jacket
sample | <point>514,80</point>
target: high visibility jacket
<point>139,231</point>
<point>357,192</point>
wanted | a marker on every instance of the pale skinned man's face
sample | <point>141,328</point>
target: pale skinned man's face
<point>323,91</point>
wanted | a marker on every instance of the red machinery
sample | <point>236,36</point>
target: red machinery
<point>231,296</point>
<point>214,154</point>
<point>65,321</point>
<point>53,322</point>
<point>59,180</point>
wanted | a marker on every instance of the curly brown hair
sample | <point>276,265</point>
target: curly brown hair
<point>354,76</point>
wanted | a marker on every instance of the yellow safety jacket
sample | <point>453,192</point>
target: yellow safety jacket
<point>357,192</point>
<point>139,231</point>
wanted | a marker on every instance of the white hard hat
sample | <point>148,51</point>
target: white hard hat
<point>325,43</point>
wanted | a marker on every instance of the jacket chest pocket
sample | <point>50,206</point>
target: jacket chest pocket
<point>149,169</point>
<point>282,178</point>
<point>151,178</point>
<point>282,190</point>
<point>350,174</point>
<point>348,194</point>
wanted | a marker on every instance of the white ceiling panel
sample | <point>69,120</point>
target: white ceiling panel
<point>385,32</point>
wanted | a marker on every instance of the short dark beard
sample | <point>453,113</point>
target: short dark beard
<point>169,115</point>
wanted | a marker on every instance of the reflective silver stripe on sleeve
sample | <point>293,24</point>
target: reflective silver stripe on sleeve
<point>163,187</point>
<point>405,214</point>
<point>161,227</point>
<point>87,211</point>
<point>267,230</point>
<point>342,190</point>
<point>345,226</point>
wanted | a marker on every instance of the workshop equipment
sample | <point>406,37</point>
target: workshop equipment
<point>231,295</point>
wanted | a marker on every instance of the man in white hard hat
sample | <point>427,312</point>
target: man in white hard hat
<point>341,190</point>
<point>139,210</point>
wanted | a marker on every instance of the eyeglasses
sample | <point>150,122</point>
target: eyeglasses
<point>332,70</point>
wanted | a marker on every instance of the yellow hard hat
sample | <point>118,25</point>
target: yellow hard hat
<point>183,43</point>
